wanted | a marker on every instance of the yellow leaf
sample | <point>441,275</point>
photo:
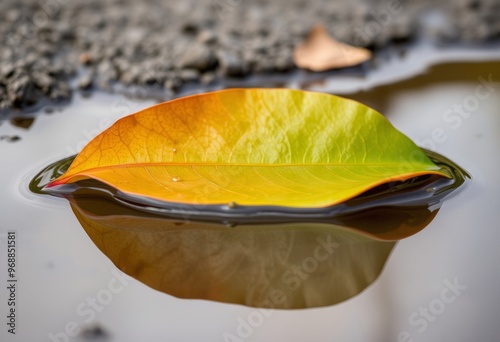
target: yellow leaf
<point>252,147</point>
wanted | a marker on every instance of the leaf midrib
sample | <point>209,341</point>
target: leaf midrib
<point>187,164</point>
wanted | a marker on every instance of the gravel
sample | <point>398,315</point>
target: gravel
<point>48,43</point>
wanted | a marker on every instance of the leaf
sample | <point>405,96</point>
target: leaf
<point>254,265</point>
<point>253,147</point>
<point>320,52</point>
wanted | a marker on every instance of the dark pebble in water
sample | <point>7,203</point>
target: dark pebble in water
<point>20,122</point>
<point>10,138</point>
<point>94,333</point>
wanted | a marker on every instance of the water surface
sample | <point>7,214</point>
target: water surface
<point>60,266</point>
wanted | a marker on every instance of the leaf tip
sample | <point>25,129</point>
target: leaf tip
<point>53,184</point>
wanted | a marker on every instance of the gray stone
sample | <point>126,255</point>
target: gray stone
<point>231,64</point>
<point>189,75</point>
<point>85,81</point>
<point>208,78</point>
<point>207,37</point>
<point>199,57</point>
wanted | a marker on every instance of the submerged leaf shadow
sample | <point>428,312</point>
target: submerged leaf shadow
<point>288,265</point>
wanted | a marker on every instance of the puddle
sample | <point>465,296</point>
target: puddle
<point>260,257</point>
<point>60,267</point>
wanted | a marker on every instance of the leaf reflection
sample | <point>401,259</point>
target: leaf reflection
<point>280,265</point>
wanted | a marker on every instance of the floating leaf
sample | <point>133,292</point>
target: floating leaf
<point>252,147</point>
<point>320,52</point>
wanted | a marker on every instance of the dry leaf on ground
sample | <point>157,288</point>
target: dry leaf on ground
<point>320,52</point>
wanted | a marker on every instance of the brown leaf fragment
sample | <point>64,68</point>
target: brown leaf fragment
<point>320,52</point>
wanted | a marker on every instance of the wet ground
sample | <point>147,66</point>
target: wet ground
<point>166,45</point>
